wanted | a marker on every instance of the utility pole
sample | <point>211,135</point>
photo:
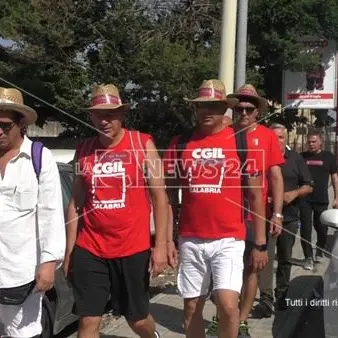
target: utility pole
<point>228,44</point>
<point>241,47</point>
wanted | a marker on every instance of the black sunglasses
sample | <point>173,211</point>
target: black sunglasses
<point>249,110</point>
<point>6,126</point>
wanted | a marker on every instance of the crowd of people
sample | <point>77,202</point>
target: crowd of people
<point>244,192</point>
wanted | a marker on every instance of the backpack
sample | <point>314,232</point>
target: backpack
<point>36,154</point>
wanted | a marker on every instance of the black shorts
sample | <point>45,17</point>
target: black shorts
<point>122,283</point>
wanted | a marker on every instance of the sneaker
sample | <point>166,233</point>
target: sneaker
<point>243,331</point>
<point>263,309</point>
<point>308,265</point>
<point>213,327</point>
<point>319,256</point>
<point>157,335</point>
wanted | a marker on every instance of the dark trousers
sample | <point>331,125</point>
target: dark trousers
<point>265,277</point>
<point>310,214</point>
<point>285,242</point>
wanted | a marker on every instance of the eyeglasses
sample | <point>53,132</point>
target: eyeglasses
<point>6,126</point>
<point>248,110</point>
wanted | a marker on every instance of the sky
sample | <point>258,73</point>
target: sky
<point>6,43</point>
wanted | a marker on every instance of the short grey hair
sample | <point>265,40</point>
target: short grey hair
<point>277,126</point>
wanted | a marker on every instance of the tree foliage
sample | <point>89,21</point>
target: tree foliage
<point>156,52</point>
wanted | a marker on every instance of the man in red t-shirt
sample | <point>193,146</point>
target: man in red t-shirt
<point>211,224</point>
<point>108,251</point>
<point>263,139</point>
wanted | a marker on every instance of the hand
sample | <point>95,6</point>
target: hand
<point>290,196</point>
<point>258,259</point>
<point>335,203</point>
<point>158,260</point>
<point>276,226</point>
<point>45,277</point>
<point>172,254</point>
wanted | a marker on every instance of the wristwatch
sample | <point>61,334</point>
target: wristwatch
<point>262,247</point>
<point>278,215</point>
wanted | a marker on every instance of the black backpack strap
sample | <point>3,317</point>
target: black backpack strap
<point>242,151</point>
<point>242,148</point>
<point>182,142</point>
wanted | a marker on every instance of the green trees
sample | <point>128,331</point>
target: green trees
<point>156,52</point>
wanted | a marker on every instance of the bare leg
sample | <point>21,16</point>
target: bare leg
<point>193,317</point>
<point>228,313</point>
<point>144,328</point>
<point>248,293</point>
<point>89,327</point>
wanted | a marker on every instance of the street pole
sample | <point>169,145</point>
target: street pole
<point>228,44</point>
<point>241,47</point>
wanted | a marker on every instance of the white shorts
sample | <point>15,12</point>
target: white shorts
<point>23,320</point>
<point>223,258</point>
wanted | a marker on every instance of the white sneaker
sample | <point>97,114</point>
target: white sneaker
<point>308,265</point>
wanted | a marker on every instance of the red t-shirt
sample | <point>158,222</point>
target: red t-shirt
<point>265,140</point>
<point>116,212</point>
<point>211,185</point>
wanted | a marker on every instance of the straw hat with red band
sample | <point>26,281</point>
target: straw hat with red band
<point>213,91</point>
<point>11,99</point>
<point>106,97</point>
<point>248,93</point>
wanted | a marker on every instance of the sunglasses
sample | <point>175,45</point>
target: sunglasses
<point>248,110</point>
<point>6,126</point>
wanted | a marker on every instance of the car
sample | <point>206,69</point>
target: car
<point>58,303</point>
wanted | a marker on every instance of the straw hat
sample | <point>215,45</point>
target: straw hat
<point>106,97</point>
<point>213,91</point>
<point>12,99</point>
<point>249,92</point>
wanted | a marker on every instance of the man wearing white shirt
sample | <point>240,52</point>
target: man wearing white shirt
<point>32,229</point>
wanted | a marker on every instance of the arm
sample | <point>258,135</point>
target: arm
<point>334,179</point>
<point>172,217</point>
<point>74,213</point>
<point>305,182</point>
<point>277,188</point>
<point>300,192</point>
<point>172,184</point>
<point>159,198</point>
<point>51,224</point>
<point>275,159</point>
<point>255,196</point>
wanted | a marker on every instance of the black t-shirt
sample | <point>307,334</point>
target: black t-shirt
<point>295,174</point>
<point>321,166</point>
